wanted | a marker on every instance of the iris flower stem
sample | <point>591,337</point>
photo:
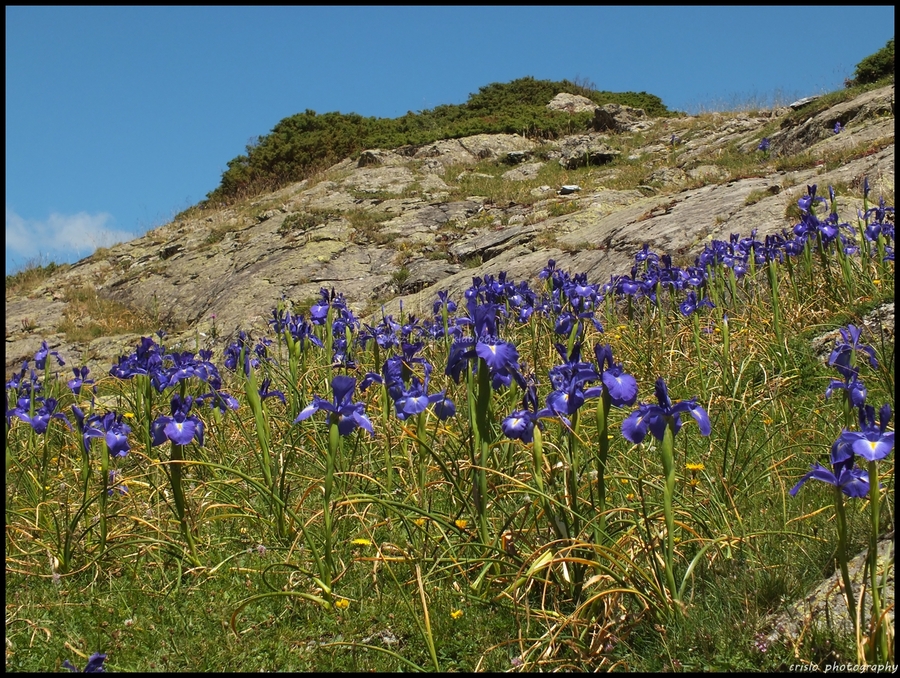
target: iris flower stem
<point>482,420</point>
<point>388,457</point>
<point>789,263</point>
<point>732,286</point>
<point>841,515</point>
<point>667,454</point>
<point>726,349</point>
<point>45,462</point>
<point>846,272</point>
<point>421,454</point>
<point>878,644</point>
<point>772,272</point>
<point>104,477</point>
<point>883,265</point>
<point>537,455</point>
<point>294,369</point>
<point>661,308</point>
<point>176,457</point>
<point>602,456</point>
<point>695,326</point>
<point>334,449</point>
<point>572,475</point>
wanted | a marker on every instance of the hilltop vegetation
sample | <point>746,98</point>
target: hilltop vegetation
<point>875,67</point>
<point>306,142</point>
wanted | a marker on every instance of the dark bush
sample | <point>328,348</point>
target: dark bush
<point>303,143</point>
<point>875,66</point>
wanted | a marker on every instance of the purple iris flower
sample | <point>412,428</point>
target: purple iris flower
<point>763,145</point>
<point>444,301</point>
<point>219,399</point>
<point>240,350</point>
<point>295,325</point>
<point>264,391</point>
<point>690,304</point>
<point>872,442</point>
<point>42,416</point>
<point>520,424</point>
<point>415,399</point>
<point>182,427</point>
<point>444,409</point>
<point>122,488</point>
<point>621,387</point>
<point>843,352</point>
<point>185,366</point>
<point>79,380</point>
<point>40,358</point>
<point>655,418</point>
<point>384,333</point>
<point>94,664</point>
<point>501,357</point>
<point>855,388</point>
<point>146,360</point>
<point>838,127</point>
<point>349,415</point>
<point>854,482</point>
<point>109,426</point>
<point>879,213</point>
<point>808,201</point>
<point>497,354</point>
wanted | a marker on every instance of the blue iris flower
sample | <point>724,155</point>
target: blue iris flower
<point>655,418</point>
<point>181,428</point>
<point>349,415</point>
<point>872,442</point>
<point>94,664</point>
<point>852,481</point>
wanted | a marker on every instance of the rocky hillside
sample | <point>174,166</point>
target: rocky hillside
<point>402,224</point>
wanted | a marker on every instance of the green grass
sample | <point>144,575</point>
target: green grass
<point>88,316</point>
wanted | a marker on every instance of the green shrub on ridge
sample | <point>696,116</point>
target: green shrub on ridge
<point>306,142</point>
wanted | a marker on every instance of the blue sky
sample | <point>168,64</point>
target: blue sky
<point>118,118</point>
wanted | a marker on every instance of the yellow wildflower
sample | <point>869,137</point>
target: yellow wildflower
<point>694,467</point>
<point>361,542</point>
<point>461,523</point>
<point>342,604</point>
<point>420,521</point>
<point>456,614</point>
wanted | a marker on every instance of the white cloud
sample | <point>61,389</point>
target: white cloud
<point>61,237</point>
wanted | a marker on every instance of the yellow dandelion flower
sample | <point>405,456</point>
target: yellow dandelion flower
<point>128,415</point>
<point>694,467</point>
<point>876,281</point>
<point>461,524</point>
<point>629,496</point>
<point>693,482</point>
<point>361,542</point>
<point>342,604</point>
<point>456,614</point>
<point>624,481</point>
<point>420,521</point>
